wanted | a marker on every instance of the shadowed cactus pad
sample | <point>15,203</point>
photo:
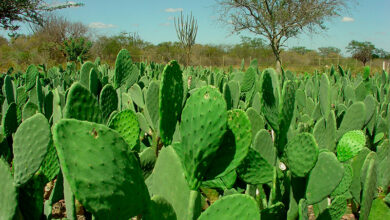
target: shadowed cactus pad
<point>302,154</point>
<point>203,125</point>
<point>108,100</point>
<point>254,169</point>
<point>350,145</point>
<point>104,176</point>
<point>8,198</point>
<point>171,99</point>
<point>31,142</point>
<point>324,178</point>
<point>233,207</point>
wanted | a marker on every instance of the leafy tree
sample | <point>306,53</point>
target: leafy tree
<point>300,50</point>
<point>76,49</point>
<point>279,20</point>
<point>31,11</point>
<point>362,51</point>
<point>380,53</point>
<point>326,51</point>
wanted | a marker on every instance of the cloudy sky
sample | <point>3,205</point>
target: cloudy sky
<point>369,20</point>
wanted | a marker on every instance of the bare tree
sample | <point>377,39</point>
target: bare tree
<point>279,20</point>
<point>186,30</point>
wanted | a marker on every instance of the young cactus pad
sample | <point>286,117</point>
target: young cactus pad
<point>350,145</point>
<point>126,124</point>
<point>98,166</point>
<point>170,102</point>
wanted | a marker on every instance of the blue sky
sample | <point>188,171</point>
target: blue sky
<point>369,20</point>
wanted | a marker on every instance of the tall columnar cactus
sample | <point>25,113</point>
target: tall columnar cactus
<point>170,101</point>
<point>203,125</point>
<point>102,169</point>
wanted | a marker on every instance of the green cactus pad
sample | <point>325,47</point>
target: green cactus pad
<point>69,201</point>
<point>8,89</point>
<point>324,96</point>
<point>302,154</point>
<point>10,120</point>
<point>126,124</point>
<point>125,70</point>
<point>234,147</point>
<point>40,96</point>
<point>234,88</point>
<point>137,96</point>
<point>31,142</point>
<point>324,178</point>
<point>383,152</point>
<point>264,145</point>
<point>302,210</point>
<point>170,101</point>
<point>249,80</point>
<point>353,119</point>
<point>350,145</point>
<point>31,196</point>
<point>152,102</point>
<point>48,105</point>
<point>147,159</point>
<point>345,182</point>
<point>325,132</point>
<point>168,180</point>
<point>235,206</point>
<point>369,182</point>
<point>357,164</point>
<point>21,97</point>
<point>94,82</point>
<point>270,94</point>
<point>286,113</point>
<point>254,169</point>
<point>224,182</point>
<point>257,121</point>
<point>99,167</point>
<point>29,110</point>
<point>336,210</point>
<point>8,199</point>
<point>203,125</point>
<point>108,100</point>
<point>160,208</point>
<point>81,105</point>
<point>84,73</point>
<point>50,165</point>
<point>31,77</point>
<point>379,210</point>
<point>276,211</point>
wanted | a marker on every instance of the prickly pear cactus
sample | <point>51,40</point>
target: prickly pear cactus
<point>254,169</point>
<point>85,72</point>
<point>9,90</point>
<point>113,173</point>
<point>170,101</point>
<point>152,102</point>
<point>350,145</point>
<point>31,76</point>
<point>302,154</point>
<point>108,100</point>
<point>236,206</point>
<point>234,147</point>
<point>10,120</point>
<point>126,124</point>
<point>270,94</point>
<point>249,79</point>
<point>8,199</point>
<point>125,71</point>
<point>160,208</point>
<point>203,125</point>
<point>28,154</point>
<point>82,105</point>
<point>324,178</point>
<point>324,96</point>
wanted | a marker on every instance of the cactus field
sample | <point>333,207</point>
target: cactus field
<point>163,141</point>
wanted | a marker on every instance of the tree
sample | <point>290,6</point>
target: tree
<point>362,51</point>
<point>380,53</point>
<point>300,50</point>
<point>326,51</point>
<point>76,49</point>
<point>31,11</point>
<point>279,20</point>
<point>186,30</point>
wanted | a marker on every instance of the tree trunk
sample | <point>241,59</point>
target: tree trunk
<point>276,50</point>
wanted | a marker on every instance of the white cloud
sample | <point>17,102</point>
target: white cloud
<point>172,10</point>
<point>101,25</point>
<point>165,24</point>
<point>171,18</point>
<point>347,19</point>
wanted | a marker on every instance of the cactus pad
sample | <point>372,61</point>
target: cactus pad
<point>254,169</point>
<point>324,178</point>
<point>170,102</point>
<point>160,208</point>
<point>203,125</point>
<point>126,124</point>
<point>8,199</point>
<point>350,145</point>
<point>270,94</point>
<point>10,120</point>
<point>302,154</point>
<point>31,142</point>
<point>108,100</point>
<point>81,105</point>
<point>99,167</point>
<point>236,206</point>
